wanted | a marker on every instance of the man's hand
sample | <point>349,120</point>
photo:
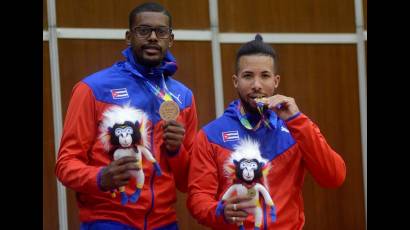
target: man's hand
<point>117,174</point>
<point>173,135</point>
<point>234,209</point>
<point>284,107</point>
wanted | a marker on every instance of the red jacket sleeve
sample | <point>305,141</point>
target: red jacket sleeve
<point>179,163</point>
<point>79,133</point>
<point>325,165</point>
<point>203,184</point>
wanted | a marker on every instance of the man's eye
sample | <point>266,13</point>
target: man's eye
<point>162,31</point>
<point>144,30</point>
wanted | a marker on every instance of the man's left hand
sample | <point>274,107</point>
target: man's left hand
<point>173,135</point>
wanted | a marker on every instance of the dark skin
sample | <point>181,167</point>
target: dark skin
<point>149,51</point>
<point>117,174</point>
<point>237,215</point>
<point>173,135</point>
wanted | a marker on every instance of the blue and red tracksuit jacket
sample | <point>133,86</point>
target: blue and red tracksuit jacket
<point>290,146</point>
<point>81,155</point>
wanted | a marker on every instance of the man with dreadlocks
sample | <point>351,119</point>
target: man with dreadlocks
<point>287,138</point>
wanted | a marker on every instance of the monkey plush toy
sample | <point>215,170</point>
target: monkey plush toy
<point>246,167</point>
<point>124,132</point>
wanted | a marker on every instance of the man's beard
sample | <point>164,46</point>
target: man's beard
<point>149,63</point>
<point>248,108</point>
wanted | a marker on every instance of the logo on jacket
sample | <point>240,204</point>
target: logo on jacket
<point>284,129</point>
<point>119,93</point>
<point>230,136</point>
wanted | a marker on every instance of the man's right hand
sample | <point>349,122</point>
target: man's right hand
<point>117,173</point>
<point>235,208</point>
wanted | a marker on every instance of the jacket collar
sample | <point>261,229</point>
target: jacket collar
<point>167,68</point>
<point>233,111</point>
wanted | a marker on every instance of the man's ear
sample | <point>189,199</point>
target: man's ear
<point>128,37</point>
<point>277,80</point>
<point>171,40</point>
<point>235,81</point>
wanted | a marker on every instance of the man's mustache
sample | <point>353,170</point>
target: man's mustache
<point>151,47</point>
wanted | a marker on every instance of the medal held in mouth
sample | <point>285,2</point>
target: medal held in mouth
<point>169,109</point>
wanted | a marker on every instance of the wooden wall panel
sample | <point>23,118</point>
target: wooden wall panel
<point>195,70</point>
<point>45,24</point>
<point>79,58</point>
<point>50,208</point>
<point>323,80</point>
<point>287,16</point>
<point>186,14</point>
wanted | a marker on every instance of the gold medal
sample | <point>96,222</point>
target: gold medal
<point>169,110</point>
<point>251,192</point>
<point>264,100</point>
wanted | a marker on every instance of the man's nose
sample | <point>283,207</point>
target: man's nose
<point>257,84</point>
<point>152,35</point>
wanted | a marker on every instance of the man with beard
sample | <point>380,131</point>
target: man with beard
<point>288,139</point>
<point>143,81</point>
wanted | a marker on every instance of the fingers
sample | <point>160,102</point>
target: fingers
<point>238,199</point>
<point>117,173</point>
<point>172,123</point>
<point>235,208</point>
<point>236,220</point>
<point>173,135</point>
<point>124,164</point>
<point>282,105</point>
<point>121,179</point>
<point>173,127</point>
<point>239,213</point>
<point>124,160</point>
<point>173,131</point>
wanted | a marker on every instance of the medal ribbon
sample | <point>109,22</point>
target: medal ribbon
<point>261,107</point>
<point>163,93</point>
<point>244,119</point>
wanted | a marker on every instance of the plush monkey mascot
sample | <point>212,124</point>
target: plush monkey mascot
<point>246,167</point>
<point>124,132</point>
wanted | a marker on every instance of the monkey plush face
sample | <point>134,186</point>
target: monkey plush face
<point>125,135</point>
<point>248,170</point>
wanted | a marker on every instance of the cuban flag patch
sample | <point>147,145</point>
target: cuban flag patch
<point>230,136</point>
<point>119,93</point>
